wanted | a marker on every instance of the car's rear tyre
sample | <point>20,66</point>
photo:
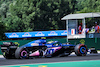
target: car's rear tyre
<point>7,56</point>
<point>80,50</point>
<point>21,53</point>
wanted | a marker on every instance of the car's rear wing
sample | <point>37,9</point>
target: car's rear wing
<point>8,44</point>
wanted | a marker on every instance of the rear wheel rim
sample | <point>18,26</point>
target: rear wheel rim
<point>24,54</point>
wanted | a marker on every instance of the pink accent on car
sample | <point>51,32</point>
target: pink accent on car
<point>23,52</point>
<point>55,48</point>
<point>36,53</point>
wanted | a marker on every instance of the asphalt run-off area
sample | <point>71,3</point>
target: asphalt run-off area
<point>93,63</point>
<point>90,60</point>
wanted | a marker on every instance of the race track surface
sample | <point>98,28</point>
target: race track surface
<point>5,62</point>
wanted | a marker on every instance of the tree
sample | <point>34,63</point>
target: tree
<point>2,31</point>
<point>85,6</point>
<point>89,6</point>
<point>40,14</point>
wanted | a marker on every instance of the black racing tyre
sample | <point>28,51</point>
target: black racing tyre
<point>7,56</point>
<point>81,50</point>
<point>21,53</point>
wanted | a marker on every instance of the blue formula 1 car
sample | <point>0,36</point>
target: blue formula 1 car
<point>41,48</point>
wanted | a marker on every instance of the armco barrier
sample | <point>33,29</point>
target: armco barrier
<point>90,42</point>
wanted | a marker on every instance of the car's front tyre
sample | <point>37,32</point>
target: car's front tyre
<point>81,50</point>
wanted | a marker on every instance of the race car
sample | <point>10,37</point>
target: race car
<point>41,48</point>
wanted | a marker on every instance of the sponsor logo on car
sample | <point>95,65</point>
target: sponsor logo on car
<point>7,43</point>
<point>34,44</point>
